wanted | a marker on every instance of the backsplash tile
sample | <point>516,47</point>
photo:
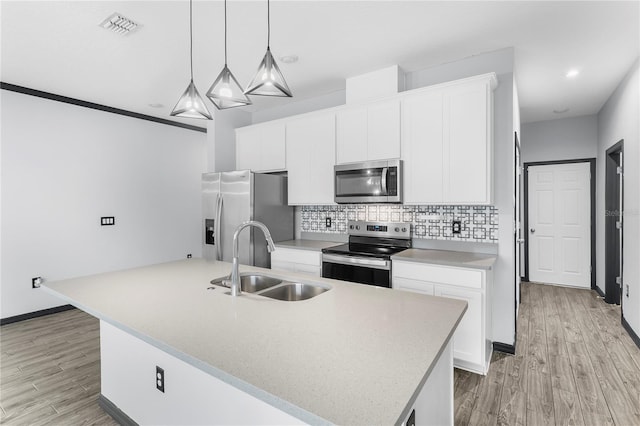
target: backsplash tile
<point>479,223</point>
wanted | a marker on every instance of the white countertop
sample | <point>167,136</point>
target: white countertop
<point>447,258</point>
<point>313,245</point>
<point>355,354</point>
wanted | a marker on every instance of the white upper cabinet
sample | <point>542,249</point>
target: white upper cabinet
<point>383,130</point>
<point>447,143</point>
<point>311,155</point>
<point>351,135</point>
<point>468,147</point>
<point>261,147</point>
<point>422,129</point>
<point>368,132</point>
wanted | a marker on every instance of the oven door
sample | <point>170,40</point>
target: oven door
<point>363,270</point>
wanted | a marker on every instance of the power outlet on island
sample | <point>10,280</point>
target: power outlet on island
<point>160,379</point>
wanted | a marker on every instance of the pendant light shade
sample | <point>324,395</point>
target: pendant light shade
<point>225,92</point>
<point>269,80</point>
<point>191,104</point>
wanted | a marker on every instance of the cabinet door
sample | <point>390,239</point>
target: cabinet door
<point>383,130</point>
<point>261,148</point>
<point>468,340</point>
<point>351,135</point>
<point>311,157</point>
<point>248,150</point>
<point>273,149</point>
<point>423,287</point>
<point>422,148</point>
<point>467,153</point>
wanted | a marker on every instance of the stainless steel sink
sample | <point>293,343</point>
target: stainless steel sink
<point>274,288</point>
<point>292,292</point>
<point>251,283</point>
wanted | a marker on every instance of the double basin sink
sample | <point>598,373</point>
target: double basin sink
<point>274,288</point>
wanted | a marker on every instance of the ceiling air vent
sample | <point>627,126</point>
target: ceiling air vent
<point>119,24</point>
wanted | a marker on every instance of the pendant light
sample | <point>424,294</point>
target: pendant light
<point>269,80</point>
<point>191,104</point>
<point>225,92</point>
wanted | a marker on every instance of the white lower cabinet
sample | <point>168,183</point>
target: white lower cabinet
<point>295,260</point>
<point>472,345</point>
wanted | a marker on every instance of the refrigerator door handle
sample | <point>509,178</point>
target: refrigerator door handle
<point>218,227</point>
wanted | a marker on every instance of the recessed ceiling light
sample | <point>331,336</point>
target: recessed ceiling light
<point>573,73</point>
<point>561,111</point>
<point>289,59</point>
<point>119,24</point>
<point>156,105</point>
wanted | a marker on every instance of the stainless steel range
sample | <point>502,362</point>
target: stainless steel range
<point>366,258</point>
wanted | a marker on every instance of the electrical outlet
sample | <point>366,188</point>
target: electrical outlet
<point>411,421</point>
<point>189,256</point>
<point>160,379</point>
<point>327,222</point>
<point>456,226</point>
<point>107,220</point>
<point>35,282</point>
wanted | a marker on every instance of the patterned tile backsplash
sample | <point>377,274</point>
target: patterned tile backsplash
<point>479,223</point>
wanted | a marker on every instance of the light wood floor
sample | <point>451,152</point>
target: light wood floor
<point>50,371</point>
<point>574,365</point>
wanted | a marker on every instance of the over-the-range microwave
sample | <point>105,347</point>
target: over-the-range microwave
<point>368,182</point>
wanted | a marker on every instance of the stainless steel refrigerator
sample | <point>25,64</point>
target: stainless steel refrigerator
<point>230,198</point>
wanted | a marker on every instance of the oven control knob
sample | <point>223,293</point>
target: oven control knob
<point>397,229</point>
<point>404,229</point>
<point>357,227</point>
<point>350,226</point>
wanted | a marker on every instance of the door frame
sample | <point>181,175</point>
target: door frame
<point>618,147</point>
<point>592,186</point>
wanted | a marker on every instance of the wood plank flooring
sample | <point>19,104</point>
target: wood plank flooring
<point>50,371</point>
<point>574,365</point>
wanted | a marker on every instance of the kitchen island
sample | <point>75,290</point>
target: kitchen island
<point>355,354</point>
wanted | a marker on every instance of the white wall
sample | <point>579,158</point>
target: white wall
<point>619,119</point>
<point>65,166</point>
<point>562,139</point>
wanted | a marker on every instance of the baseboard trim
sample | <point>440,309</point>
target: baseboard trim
<point>600,292</point>
<point>503,347</point>
<point>36,314</point>
<point>632,333</point>
<point>117,414</point>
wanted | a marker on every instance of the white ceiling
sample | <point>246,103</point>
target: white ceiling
<point>58,47</point>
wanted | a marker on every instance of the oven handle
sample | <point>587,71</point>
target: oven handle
<point>383,183</point>
<point>361,261</point>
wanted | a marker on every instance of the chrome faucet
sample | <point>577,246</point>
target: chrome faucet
<point>235,275</point>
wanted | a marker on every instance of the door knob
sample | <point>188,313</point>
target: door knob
<point>533,230</point>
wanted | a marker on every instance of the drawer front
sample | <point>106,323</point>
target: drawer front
<point>305,257</point>
<point>407,284</point>
<point>470,278</point>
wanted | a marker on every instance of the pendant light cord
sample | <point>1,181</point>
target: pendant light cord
<point>191,35</point>
<point>225,33</point>
<point>268,25</point>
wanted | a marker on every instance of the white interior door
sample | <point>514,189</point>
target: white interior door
<point>559,224</point>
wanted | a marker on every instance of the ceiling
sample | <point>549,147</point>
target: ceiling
<point>59,47</point>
